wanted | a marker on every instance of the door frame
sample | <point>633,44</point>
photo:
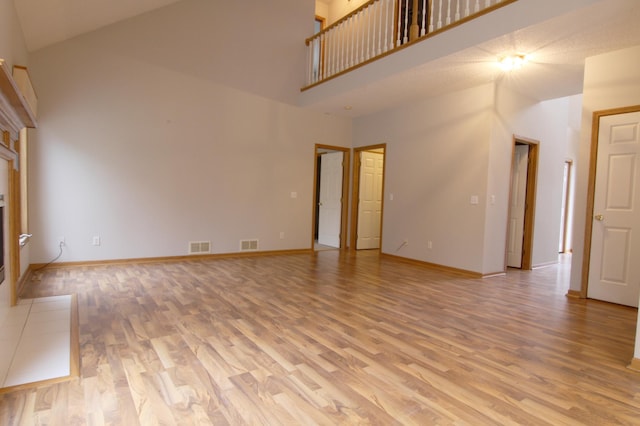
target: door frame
<point>591,189</point>
<point>355,191</point>
<point>530,201</point>
<point>567,200</point>
<point>344,205</point>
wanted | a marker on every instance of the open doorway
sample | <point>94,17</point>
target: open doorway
<point>367,198</point>
<point>522,200</point>
<point>331,183</point>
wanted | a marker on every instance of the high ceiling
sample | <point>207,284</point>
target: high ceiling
<point>46,22</point>
<point>558,46</point>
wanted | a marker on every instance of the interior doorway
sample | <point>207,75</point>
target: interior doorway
<point>367,197</point>
<point>524,167</point>
<point>331,183</point>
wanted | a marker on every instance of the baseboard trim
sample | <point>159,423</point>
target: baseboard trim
<point>635,365</point>
<point>545,264</point>
<point>435,266</point>
<point>574,294</point>
<point>494,274</point>
<point>35,266</point>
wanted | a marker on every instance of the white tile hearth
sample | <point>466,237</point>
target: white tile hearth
<point>35,341</point>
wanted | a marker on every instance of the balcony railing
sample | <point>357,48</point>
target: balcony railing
<point>379,27</point>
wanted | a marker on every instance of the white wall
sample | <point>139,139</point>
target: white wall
<point>144,142</point>
<point>549,123</point>
<point>322,10</point>
<point>610,81</point>
<point>12,45</point>
<point>444,150</point>
<point>337,9</point>
<point>436,159</point>
<point>14,51</point>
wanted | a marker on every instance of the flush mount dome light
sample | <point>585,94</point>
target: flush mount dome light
<point>513,62</point>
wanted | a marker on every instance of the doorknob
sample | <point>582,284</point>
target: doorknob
<point>599,217</point>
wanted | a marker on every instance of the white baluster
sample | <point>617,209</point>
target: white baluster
<point>477,7</point>
<point>423,26</point>
<point>389,24</point>
<point>369,15</point>
<point>466,10</point>
<point>326,69</point>
<point>317,55</point>
<point>334,52</point>
<point>405,37</point>
<point>343,36</point>
<point>328,54</point>
<point>457,18</point>
<point>353,54</point>
<point>448,12</point>
<point>431,16</point>
<point>345,45</point>
<point>381,40</point>
<point>399,38</point>
<point>351,38</point>
<point>336,47</point>
<point>318,48</point>
<point>364,28</point>
<point>440,13</point>
<point>487,3</point>
<point>361,40</point>
<point>310,63</point>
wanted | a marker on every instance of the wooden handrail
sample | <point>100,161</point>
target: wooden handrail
<point>340,21</point>
<point>332,52</point>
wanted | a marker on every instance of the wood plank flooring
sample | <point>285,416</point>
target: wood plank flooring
<point>333,338</point>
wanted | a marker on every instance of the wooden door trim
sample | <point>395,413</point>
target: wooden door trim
<point>344,204</point>
<point>530,201</point>
<point>591,189</point>
<point>566,201</point>
<point>355,191</point>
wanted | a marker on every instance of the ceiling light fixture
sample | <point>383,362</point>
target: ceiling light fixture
<point>512,62</point>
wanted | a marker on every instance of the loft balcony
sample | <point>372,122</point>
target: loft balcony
<point>380,28</point>
<point>347,77</point>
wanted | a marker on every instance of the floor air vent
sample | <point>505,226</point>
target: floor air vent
<point>248,245</point>
<point>199,247</point>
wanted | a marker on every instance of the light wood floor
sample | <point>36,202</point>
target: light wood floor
<point>333,338</point>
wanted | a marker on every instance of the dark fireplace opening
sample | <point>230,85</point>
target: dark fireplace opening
<point>1,238</point>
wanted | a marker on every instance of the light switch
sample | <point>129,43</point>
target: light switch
<point>390,197</point>
<point>294,195</point>
<point>474,199</point>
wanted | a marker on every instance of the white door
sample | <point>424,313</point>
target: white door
<point>517,208</point>
<point>614,266</point>
<point>370,202</point>
<point>330,208</point>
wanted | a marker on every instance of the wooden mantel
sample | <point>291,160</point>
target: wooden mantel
<point>15,112</point>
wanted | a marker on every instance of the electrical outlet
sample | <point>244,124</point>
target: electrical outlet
<point>282,235</point>
<point>61,241</point>
<point>96,240</point>
<point>429,244</point>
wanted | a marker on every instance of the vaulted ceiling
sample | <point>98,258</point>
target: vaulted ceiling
<point>559,47</point>
<point>51,21</point>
